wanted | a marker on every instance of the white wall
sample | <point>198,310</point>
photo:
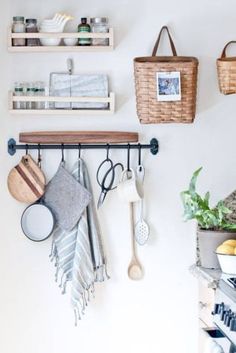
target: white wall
<point>159,312</point>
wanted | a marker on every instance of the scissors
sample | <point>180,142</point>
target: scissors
<point>107,181</point>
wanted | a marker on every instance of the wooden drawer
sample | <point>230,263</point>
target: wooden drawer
<point>201,337</point>
<point>206,303</point>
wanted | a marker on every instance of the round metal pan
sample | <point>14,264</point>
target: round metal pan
<point>37,222</point>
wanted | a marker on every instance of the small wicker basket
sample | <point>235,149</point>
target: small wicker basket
<point>226,69</point>
<point>149,109</point>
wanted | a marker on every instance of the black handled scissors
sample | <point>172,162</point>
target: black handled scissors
<point>107,182</point>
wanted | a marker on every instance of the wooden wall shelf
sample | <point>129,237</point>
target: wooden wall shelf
<point>72,137</point>
<point>61,48</point>
<point>110,100</point>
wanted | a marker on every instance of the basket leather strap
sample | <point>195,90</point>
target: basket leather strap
<point>223,55</point>
<point>154,52</point>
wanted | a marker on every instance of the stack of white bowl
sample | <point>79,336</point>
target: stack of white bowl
<point>54,25</point>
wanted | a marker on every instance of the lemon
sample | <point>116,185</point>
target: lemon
<point>225,249</point>
<point>231,242</point>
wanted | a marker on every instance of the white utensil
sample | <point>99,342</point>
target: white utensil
<point>141,228</point>
<point>135,271</point>
<point>129,189</point>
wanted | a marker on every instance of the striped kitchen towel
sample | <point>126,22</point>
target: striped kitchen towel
<point>79,255</point>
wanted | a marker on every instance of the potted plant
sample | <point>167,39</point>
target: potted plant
<point>213,225</point>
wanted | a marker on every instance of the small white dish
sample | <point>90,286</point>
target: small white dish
<point>49,29</point>
<point>71,42</point>
<point>50,42</point>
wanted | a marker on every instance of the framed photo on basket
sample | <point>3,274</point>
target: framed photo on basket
<point>168,86</point>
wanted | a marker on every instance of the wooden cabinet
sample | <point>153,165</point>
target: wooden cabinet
<point>206,303</point>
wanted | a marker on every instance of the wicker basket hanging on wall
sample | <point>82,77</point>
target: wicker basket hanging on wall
<point>149,109</point>
<point>226,69</point>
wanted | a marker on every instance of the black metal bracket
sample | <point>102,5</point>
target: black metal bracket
<point>11,147</point>
<point>153,146</point>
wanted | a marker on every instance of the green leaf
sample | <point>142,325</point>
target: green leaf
<point>198,208</point>
<point>192,185</point>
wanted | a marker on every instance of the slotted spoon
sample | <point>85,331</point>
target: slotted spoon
<point>141,228</point>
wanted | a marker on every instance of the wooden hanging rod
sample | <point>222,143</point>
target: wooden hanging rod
<point>73,137</point>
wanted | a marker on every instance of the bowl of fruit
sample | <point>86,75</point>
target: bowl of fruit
<point>226,254</point>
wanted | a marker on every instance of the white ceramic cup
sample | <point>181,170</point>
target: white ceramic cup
<point>129,188</point>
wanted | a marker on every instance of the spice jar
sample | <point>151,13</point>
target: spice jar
<point>19,92</point>
<point>40,92</point>
<point>31,27</point>
<point>99,25</point>
<point>18,26</point>
<point>30,92</point>
<point>84,27</point>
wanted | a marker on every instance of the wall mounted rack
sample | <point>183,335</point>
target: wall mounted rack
<point>60,48</point>
<point>52,111</point>
<point>153,146</point>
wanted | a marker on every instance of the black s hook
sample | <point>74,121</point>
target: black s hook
<point>62,153</point>
<point>128,158</point>
<point>39,156</point>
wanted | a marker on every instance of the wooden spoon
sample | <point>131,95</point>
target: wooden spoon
<point>135,271</point>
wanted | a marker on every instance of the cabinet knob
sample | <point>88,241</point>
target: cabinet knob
<point>202,305</point>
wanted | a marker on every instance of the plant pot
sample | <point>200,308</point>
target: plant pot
<point>208,241</point>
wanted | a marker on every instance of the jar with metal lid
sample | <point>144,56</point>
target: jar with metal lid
<point>39,92</point>
<point>19,92</point>
<point>31,27</point>
<point>99,25</point>
<point>84,27</point>
<point>18,26</point>
<point>31,92</point>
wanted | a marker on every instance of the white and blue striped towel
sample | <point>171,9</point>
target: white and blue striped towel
<point>78,254</point>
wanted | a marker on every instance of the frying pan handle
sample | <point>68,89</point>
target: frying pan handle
<point>70,66</point>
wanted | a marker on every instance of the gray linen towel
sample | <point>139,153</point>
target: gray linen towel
<point>78,254</point>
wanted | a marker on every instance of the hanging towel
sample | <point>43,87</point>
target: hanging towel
<point>66,198</point>
<point>78,254</point>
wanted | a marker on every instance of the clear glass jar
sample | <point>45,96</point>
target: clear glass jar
<point>18,26</point>
<point>31,27</point>
<point>99,25</point>
<point>40,92</point>
<point>30,92</point>
<point>18,91</point>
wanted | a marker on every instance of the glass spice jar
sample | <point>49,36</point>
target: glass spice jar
<point>31,92</point>
<point>31,27</point>
<point>84,27</point>
<point>18,26</point>
<point>99,25</point>
<point>19,92</point>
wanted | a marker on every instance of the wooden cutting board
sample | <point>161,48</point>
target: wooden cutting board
<point>26,182</point>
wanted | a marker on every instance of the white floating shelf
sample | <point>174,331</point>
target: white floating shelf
<point>61,48</point>
<point>59,111</point>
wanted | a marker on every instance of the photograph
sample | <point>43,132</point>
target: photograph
<point>168,86</point>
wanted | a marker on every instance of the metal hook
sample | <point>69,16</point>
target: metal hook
<point>108,150</point>
<point>139,154</point>
<point>62,153</point>
<point>26,149</point>
<point>39,156</point>
<point>128,158</point>
<point>79,149</point>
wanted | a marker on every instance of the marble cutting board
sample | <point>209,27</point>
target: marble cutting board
<point>65,85</point>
